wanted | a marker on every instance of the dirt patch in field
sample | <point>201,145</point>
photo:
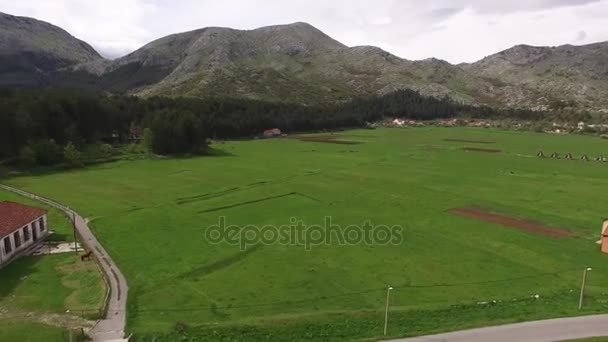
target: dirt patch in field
<point>470,141</point>
<point>327,139</point>
<point>484,150</point>
<point>513,222</point>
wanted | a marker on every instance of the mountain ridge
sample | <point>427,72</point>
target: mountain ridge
<point>30,49</point>
<point>299,63</point>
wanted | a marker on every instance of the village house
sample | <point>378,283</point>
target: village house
<point>270,133</point>
<point>21,226</point>
<point>604,236</point>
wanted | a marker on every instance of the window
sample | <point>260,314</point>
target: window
<point>41,224</point>
<point>17,239</point>
<point>26,233</point>
<point>7,246</point>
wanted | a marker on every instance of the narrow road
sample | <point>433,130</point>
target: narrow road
<point>559,329</point>
<point>113,325</point>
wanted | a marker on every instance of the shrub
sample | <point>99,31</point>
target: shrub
<point>72,156</point>
<point>47,152</point>
<point>27,156</point>
<point>106,150</point>
<point>148,140</point>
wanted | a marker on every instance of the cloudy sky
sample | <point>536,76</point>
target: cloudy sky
<point>454,30</point>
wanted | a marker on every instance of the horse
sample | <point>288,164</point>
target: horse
<point>86,256</point>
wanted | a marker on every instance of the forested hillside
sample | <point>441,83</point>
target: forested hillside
<point>45,121</point>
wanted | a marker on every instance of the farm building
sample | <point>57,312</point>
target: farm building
<point>604,237</point>
<point>21,226</point>
<point>274,132</point>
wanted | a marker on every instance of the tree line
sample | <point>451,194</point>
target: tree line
<point>43,123</point>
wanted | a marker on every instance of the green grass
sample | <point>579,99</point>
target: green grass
<point>53,283</point>
<point>31,332</point>
<point>151,216</point>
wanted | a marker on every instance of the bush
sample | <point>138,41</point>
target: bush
<point>106,150</point>
<point>27,156</point>
<point>47,152</point>
<point>148,140</point>
<point>72,156</point>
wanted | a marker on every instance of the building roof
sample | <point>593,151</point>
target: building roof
<point>15,215</point>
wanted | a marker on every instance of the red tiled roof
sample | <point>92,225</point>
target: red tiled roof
<point>14,216</point>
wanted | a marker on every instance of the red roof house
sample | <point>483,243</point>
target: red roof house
<point>274,132</point>
<point>604,236</point>
<point>20,227</point>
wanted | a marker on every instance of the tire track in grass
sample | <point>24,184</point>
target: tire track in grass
<point>219,264</point>
<point>216,194</point>
<point>220,193</point>
<point>240,204</point>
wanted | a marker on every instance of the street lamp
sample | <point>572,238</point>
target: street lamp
<point>388,296</point>
<point>580,300</point>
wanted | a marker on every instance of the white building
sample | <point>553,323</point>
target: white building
<point>21,226</point>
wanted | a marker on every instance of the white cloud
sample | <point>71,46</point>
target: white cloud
<point>455,30</point>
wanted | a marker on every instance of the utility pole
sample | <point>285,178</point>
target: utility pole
<point>580,300</point>
<point>74,228</point>
<point>388,296</point>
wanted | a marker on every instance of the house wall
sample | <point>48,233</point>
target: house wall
<point>42,232</point>
<point>605,237</point>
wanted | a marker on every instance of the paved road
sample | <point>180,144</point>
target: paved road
<point>113,325</point>
<point>550,330</point>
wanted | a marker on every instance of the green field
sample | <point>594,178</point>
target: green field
<point>31,332</point>
<point>151,216</point>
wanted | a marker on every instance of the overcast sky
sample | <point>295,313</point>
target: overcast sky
<point>454,30</point>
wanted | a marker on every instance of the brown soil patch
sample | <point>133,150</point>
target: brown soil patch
<point>470,141</point>
<point>476,149</point>
<point>327,139</point>
<point>508,221</point>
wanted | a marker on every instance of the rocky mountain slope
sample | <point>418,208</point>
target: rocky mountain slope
<point>548,77</point>
<point>292,63</point>
<point>299,63</point>
<point>31,49</point>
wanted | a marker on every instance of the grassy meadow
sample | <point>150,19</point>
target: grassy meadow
<point>151,216</point>
<point>31,332</point>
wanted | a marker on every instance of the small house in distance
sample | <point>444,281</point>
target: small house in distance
<point>21,226</point>
<point>604,236</point>
<point>271,133</point>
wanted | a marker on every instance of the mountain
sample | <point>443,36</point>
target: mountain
<point>299,63</point>
<point>287,63</point>
<point>548,77</point>
<point>31,49</point>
